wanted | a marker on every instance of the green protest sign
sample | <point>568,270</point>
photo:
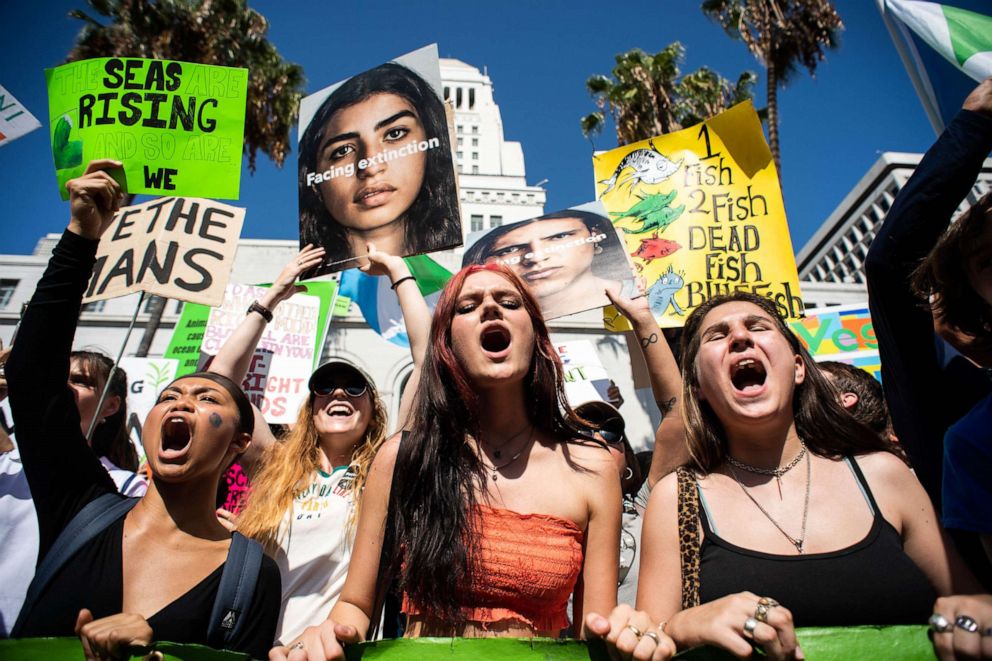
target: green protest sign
<point>178,127</point>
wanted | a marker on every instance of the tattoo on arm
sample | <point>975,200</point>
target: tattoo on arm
<point>665,407</point>
<point>649,340</point>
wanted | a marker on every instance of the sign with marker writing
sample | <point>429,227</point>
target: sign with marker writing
<point>585,377</point>
<point>702,214</point>
<point>15,120</point>
<point>181,248</point>
<point>178,127</point>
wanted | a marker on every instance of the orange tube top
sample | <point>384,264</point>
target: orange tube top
<point>527,568</point>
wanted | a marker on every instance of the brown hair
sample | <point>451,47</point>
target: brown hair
<point>110,438</point>
<point>944,273</point>
<point>823,424</point>
<point>870,408</point>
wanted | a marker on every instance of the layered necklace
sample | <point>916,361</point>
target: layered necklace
<point>798,542</point>
<point>498,453</point>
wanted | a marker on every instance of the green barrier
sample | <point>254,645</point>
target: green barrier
<point>903,643</point>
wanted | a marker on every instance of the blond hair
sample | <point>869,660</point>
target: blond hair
<point>288,465</point>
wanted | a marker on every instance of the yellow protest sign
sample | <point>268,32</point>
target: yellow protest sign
<point>701,212</point>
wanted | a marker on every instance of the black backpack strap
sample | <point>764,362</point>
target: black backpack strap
<point>237,588</point>
<point>95,517</point>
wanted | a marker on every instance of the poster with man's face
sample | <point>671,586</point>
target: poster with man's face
<point>567,258</point>
<point>375,165</point>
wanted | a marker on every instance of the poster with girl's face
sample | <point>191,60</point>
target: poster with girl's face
<point>567,258</point>
<point>375,165</point>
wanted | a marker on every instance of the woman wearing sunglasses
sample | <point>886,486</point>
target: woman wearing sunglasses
<point>306,497</point>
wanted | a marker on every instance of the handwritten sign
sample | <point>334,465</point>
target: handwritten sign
<point>178,127</point>
<point>702,214</point>
<point>15,120</point>
<point>842,333</point>
<point>585,377</point>
<point>180,248</point>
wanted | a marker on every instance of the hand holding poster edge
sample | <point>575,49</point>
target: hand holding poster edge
<point>702,214</point>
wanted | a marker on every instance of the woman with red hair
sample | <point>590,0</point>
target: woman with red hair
<point>493,509</point>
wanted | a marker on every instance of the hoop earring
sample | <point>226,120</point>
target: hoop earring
<point>598,250</point>
<point>629,473</point>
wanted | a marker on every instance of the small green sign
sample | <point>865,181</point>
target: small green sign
<point>178,127</point>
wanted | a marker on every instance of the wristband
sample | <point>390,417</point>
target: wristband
<point>257,307</point>
<point>403,279</point>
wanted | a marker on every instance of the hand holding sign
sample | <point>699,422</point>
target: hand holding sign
<point>93,199</point>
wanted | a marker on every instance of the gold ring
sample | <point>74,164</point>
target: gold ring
<point>653,636</point>
<point>637,632</point>
<point>768,601</point>
<point>761,612</point>
<point>298,645</point>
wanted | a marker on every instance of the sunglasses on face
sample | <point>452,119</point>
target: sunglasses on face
<point>351,388</point>
<point>610,432</point>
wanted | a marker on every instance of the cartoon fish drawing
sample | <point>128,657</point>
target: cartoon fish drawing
<point>653,211</point>
<point>649,166</point>
<point>655,248</point>
<point>661,294</point>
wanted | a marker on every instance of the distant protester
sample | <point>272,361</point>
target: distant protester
<point>860,393</point>
<point>153,568</point>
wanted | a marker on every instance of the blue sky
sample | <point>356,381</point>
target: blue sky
<point>539,55</point>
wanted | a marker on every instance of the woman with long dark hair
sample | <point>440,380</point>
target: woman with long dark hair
<point>376,167</point>
<point>790,512</point>
<point>155,571</point>
<point>491,511</point>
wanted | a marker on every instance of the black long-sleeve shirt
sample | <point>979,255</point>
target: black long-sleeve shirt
<point>924,397</point>
<point>64,475</point>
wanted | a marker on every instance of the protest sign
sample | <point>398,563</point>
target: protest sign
<point>567,258</point>
<point>375,155</point>
<point>842,333</point>
<point>585,377</point>
<point>145,379</point>
<point>286,355</point>
<point>178,127</point>
<point>702,214</point>
<point>15,120</point>
<point>180,248</point>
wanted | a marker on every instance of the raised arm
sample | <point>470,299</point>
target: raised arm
<point>62,471</point>
<point>922,401</point>
<point>670,450</point>
<point>416,318</point>
<point>234,358</point>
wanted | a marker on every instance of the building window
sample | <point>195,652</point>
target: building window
<point>475,129</point>
<point>95,306</point>
<point>7,288</point>
<point>495,221</point>
<point>500,196</point>
<point>459,142</point>
<point>476,222</point>
<point>458,97</point>
<point>459,129</point>
<point>475,156</point>
<point>459,155</point>
<point>475,169</point>
<point>179,307</point>
<point>471,98</point>
<point>447,93</point>
<point>475,142</point>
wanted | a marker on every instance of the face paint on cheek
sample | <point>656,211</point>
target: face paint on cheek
<point>216,420</point>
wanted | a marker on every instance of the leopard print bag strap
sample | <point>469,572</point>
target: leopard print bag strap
<point>689,536</point>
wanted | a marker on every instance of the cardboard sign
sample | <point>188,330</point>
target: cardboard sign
<point>567,258</point>
<point>181,248</point>
<point>701,211</point>
<point>585,377</point>
<point>286,355</point>
<point>178,127</point>
<point>375,164</point>
<point>15,120</point>
<point>843,333</point>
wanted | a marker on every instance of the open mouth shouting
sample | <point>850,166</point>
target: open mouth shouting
<point>373,196</point>
<point>495,339</point>
<point>748,376</point>
<point>177,435</point>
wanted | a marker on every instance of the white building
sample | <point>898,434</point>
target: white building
<point>493,191</point>
<point>831,264</point>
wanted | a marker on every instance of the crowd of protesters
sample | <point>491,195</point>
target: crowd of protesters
<point>780,493</point>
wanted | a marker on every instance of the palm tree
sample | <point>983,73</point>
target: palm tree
<point>784,35</point>
<point>219,32</point>
<point>645,96</point>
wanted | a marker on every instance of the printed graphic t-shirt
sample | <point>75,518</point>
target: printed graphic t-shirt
<point>314,551</point>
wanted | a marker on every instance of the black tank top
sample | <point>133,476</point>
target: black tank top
<point>870,582</point>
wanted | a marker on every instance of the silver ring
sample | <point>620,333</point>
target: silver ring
<point>750,624</point>
<point>768,601</point>
<point>939,624</point>
<point>637,632</point>
<point>653,636</point>
<point>966,623</point>
<point>298,645</point>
